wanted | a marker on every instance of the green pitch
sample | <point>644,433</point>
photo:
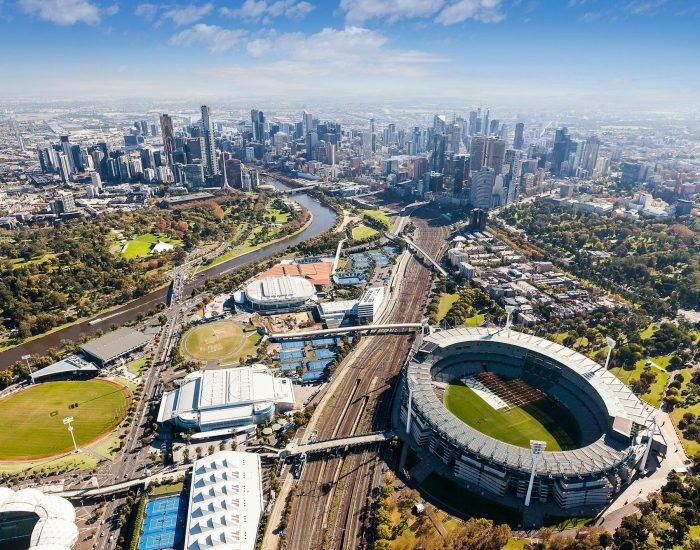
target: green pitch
<point>222,340</point>
<point>32,420</point>
<point>545,421</point>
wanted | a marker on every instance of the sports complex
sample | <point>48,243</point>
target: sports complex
<point>33,418</point>
<point>485,402</point>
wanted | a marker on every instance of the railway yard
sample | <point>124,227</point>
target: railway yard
<point>331,502</point>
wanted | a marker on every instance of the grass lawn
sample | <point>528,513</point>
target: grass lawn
<point>248,349</point>
<point>559,523</point>
<point>544,421</point>
<point>168,488</point>
<point>363,232</point>
<point>465,503</point>
<point>69,463</point>
<point>662,360</point>
<point>446,302</point>
<point>136,249</point>
<point>21,262</point>
<point>656,392</point>
<point>213,340</point>
<point>135,366</point>
<point>36,416</point>
<point>515,544</point>
<point>690,447</point>
<point>648,332</point>
<point>475,321</point>
<point>279,216</point>
<point>378,215</point>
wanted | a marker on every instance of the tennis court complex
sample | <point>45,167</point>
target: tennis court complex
<point>164,523</point>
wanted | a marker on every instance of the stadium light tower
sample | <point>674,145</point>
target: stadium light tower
<point>509,316</point>
<point>537,448</point>
<point>67,421</point>
<point>611,345</point>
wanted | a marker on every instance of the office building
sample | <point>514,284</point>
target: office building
<point>481,189</point>
<point>209,159</point>
<point>495,154</point>
<point>477,153</point>
<point>369,304</point>
<point>257,119</point>
<point>519,140</point>
<point>168,133</point>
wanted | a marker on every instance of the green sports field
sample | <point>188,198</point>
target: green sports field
<point>222,340</point>
<point>32,420</point>
<point>545,421</point>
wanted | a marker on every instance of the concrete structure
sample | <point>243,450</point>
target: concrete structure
<point>226,502</point>
<point>46,522</point>
<point>71,366</point>
<point>114,345</point>
<point>230,398</point>
<point>614,423</point>
<point>337,310</point>
<point>369,305</point>
<point>279,293</point>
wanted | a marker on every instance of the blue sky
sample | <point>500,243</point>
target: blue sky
<point>568,53</point>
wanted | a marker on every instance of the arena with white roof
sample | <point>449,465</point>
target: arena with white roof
<point>229,398</point>
<point>47,521</point>
<point>615,423</point>
<point>279,293</point>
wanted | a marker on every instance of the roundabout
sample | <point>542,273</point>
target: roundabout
<point>32,419</point>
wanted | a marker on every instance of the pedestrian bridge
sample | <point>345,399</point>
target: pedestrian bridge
<point>344,330</point>
<point>338,443</point>
<point>423,253</point>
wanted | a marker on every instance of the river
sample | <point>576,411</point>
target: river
<point>323,220</point>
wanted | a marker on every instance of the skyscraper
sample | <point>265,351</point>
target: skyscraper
<point>482,188</point>
<point>308,121</point>
<point>209,143</point>
<point>518,140</point>
<point>495,153</point>
<point>560,151</point>
<point>477,153</point>
<point>258,120</point>
<point>166,130</point>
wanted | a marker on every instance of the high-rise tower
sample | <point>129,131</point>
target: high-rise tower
<point>166,130</point>
<point>209,143</point>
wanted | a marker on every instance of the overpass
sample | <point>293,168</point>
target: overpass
<point>337,256</point>
<point>338,443</point>
<point>437,266</point>
<point>344,330</point>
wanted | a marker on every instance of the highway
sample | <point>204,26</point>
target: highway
<point>332,492</point>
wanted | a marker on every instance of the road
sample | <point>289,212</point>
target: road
<point>329,510</point>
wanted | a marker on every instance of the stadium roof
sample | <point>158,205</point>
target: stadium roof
<point>225,395</point>
<point>55,529</point>
<point>602,455</point>
<point>280,289</point>
<point>115,344</point>
<point>72,363</point>
<point>225,502</point>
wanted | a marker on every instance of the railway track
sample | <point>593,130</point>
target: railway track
<point>332,492</point>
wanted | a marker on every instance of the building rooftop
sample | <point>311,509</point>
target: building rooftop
<point>317,273</point>
<point>274,289</point>
<point>225,502</point>
<point>115,344</point>
<point>72,363</point>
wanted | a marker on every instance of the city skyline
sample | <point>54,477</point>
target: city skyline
<point>629,55</point>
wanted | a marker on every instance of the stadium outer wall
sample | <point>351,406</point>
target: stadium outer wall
<point>615,424</point>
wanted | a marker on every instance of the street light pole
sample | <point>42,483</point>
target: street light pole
<point>26,359</point>
<point>537,448</point>
<point>67,421</point>
<point>611,345</point>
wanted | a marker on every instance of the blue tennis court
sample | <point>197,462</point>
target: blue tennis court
<point>321,342</point>
<point>285,367</point>
<point>318,365</point>
<point>325,353</point>
<point>339,339</point>
<point>164,523</point>
<point>293,344</point>
<point>284,355</point>
<point>313,376</point>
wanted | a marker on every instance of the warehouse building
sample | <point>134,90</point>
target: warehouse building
<point>111,347</point>
<point>224,399</point>
<point>226,502</point>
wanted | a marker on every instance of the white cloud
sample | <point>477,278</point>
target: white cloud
<point>147,11</point>
<point>216,38</point>
<point>641,7</point>
<point>255,10</point>
<point>112,10</point>
<point>259,47</point>
<point>486,11</point>
<point>63,12</point>
<point>359,11</point>
<point>445,12</point>
<point>186,15</point>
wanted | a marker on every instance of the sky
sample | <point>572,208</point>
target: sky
<point>614,54</point>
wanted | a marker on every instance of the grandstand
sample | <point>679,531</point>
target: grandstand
<point>518,375</point>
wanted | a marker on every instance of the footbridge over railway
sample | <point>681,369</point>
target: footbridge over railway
<point>344,442</point>
<point>345,330</point>
<point>414,246</point>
